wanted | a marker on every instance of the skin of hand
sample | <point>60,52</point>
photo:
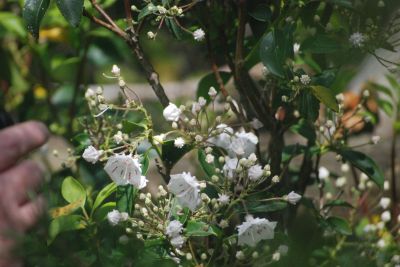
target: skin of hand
<point>19,178</point>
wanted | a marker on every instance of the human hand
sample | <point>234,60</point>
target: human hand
<point>17,179</point>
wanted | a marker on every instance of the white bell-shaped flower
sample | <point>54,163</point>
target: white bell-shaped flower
<point>253,230</point>
<point>186,189</point>
<point>124,169</point>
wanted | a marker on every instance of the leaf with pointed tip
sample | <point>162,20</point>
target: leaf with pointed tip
<point>71,10</point>
<point>325,96</point>
<point>33,13</point>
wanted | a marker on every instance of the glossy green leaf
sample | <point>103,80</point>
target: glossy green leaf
<point>321,44</point>
<point>170,155</point>
<point>198,228</point>
<point>13,24</point>
<point>81,141</point>
<point>71,10</point>
<point>340,225</point>
<point>64,224</point>
<point>101,212</point>
<point>133,127</point>
<point>210,81</point>
<point>72,191</point>
<point>260,12</point>
<point>261,207</point>
<point>33,13</point>
<point>125,198</point>
<point>104,194</point>
<point>364,164</point>
<point>309,106</point>
<point>147,10</point>
<point>325,96</point>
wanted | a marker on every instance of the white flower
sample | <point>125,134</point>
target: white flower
<point>118,138</point>
<point>195,108</point>
<point>223,224</point>
<point>276,179</point>
<point>357,39</point>
<point>172,112</point>
<point>252,158</point>
<point>381,243</point>
<point>384,202</point>
<point>202,101</point>
<point>243,144</point>
<point>209,158</point>
<point>323,173</point>
<point>386,186</point>
<point>341,181</point>
<point>223,199</point>
<point>179,142</point>
<point>385,216</point>
<point>240,255</point>
<point>186,189</point>
<point>177,241</point>
<point>276,256</point>
<point>256,124</point>
<point>230,167</point>
<point>159,139</point>
<point>124,169</point>
<point>91,154</point>
<point>89,93</point>
<point>296,48</point>
<point>293,198</point>
<point>305,79</point>
<point>114,217</point>
<point>174,228</point>
<point>199,35</point>
<point>345,167</point>
<point>151,35</point>
<point>224,138</point>
<point>255,172</point>
<point>115,70</point>
<point>253,230</point>
<point>212,92</point>
<point>375,139</point>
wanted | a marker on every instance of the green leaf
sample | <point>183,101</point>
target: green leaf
<point>364,164</point>
<point>104,194</point>
<point>306,129</point>
<point>260,12</point>
<point>71,10</point>
<point>179,213</point>
<point>197,228</point>
<point>145,163</point>
<point>133,127</point>
<point>33,13</point>
<point>321,44</point>
<point>325,96</point>
<point>72,191</point>
<point>261,207</point>
<point>81,141</point>
<point>276,47</point>
<point>208,168</point>
<point>309,106</point>
<point>340,225</point>
<point>13,24</point>
<point>101,212</point>
<point>386,106</point>
<point>175,29</point>
<point>64,224</point>
<point>210,81</point>
<point>171,155</point>
<point>126,196</point>
<point>147,10</point>
<point>338,203</point>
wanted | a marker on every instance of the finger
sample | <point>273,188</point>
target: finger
<point>28,214</point>
<point>21,180</point>
<point>18,140</point>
